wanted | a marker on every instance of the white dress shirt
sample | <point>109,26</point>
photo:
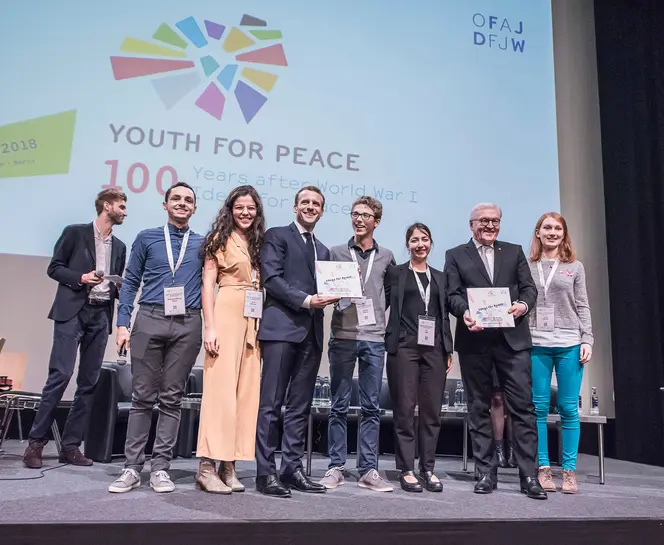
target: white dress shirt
<point>103,247</point>
<point>307,302</point>
<point>490,258</point>
<point>488,253</point>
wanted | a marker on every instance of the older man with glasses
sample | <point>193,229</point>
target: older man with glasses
<point>486,262</point>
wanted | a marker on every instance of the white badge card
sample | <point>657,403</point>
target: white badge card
<point>426,330</point>
<point>545,318</point>
<point>365,311</point>
<point>174,301</point>
<point>253,304</point>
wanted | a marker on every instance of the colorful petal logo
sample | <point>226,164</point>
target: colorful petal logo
<point>190,67</point>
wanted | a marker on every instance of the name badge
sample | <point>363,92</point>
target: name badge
<point>365,312</point>
<point>545,318</point>
<point>426,330</point>
<point>253,304</point>
<point>174,301</point>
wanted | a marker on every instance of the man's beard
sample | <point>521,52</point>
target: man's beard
<point>116,218</point>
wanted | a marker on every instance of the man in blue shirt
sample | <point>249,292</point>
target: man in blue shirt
<point>166,337</point>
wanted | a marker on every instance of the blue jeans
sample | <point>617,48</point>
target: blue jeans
<point>342,354</point>
<point>569,373</point>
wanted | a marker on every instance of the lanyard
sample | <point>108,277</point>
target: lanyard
<point>169,250</point>
<point>546,283</point>
<point>425,295</point>
<point>369,266</point>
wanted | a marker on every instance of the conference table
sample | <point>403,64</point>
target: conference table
<point>13,402</point>
<point>194,402</point>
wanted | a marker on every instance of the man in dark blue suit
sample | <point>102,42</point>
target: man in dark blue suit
<point>83,316</point>
<point>291,335</point>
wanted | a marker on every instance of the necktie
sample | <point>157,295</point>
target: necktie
<point>309,243</point>
<point>485,260</point>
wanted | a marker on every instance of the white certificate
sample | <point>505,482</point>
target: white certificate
<point>489,306</point>
<point>338,279</point>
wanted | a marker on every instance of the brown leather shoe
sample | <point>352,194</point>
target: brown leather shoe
<point>570,486</point>
<point>545,477</point>
<point>32,457</point>
<point>229,477</point>
<point>208,480</point>
<point>74,457</point>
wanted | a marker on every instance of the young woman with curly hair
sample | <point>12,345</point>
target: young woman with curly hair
<point>231,378</point>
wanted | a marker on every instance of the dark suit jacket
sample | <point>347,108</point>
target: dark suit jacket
<point>73,256</point>
<point>395,281</point>
<point>464,269</point>
<point>288,277</point>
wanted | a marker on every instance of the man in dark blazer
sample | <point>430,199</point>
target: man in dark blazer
<point>482,263</point>
<point>291,336</point>
<point>83,316</point>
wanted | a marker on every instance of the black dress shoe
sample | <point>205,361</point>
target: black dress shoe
<point>409,487</point>
<point>532,488</point>
<point>272,486</point>
<point>487,483</point>
<point>299,481</point>
<point>430,485</point>
<point>501,457</point>
<point>511,458</point>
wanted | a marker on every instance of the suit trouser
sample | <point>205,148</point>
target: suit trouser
<point>87,332</point>
<point>416,375</point>
<point>289,372</point>
<point>515,376</point>
<point>163,351</point>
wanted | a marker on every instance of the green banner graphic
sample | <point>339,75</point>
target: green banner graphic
<point>37,147</point>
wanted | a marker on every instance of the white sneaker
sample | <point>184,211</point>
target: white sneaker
<point>129,480</point>
<point>161,482</point>
<point>373,481</point>
<point>333,477</point>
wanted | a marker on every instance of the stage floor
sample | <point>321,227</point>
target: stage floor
<point>72,504</point>
<point>79,494</point>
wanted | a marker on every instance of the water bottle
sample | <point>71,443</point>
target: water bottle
<point>319,382</point>
<point>594,402</point>
<point>458,396</point>
<point>446,401</point>
<point>325,393</point>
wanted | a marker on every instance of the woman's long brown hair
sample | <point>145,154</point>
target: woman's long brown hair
<point>224,224</point>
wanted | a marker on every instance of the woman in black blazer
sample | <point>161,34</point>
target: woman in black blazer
<point>418,341</point>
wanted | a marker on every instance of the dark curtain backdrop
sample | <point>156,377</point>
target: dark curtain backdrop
<point>630,65</point>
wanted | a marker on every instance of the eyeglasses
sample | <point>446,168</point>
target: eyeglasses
<point>363,215</point>
<point>486,221</point>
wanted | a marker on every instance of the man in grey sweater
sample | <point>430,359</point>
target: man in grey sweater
<point>358,333</point>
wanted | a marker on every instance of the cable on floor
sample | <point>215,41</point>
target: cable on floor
<point>41,471</point>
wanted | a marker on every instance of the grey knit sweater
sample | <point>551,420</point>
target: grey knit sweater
<point>568,296</point>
